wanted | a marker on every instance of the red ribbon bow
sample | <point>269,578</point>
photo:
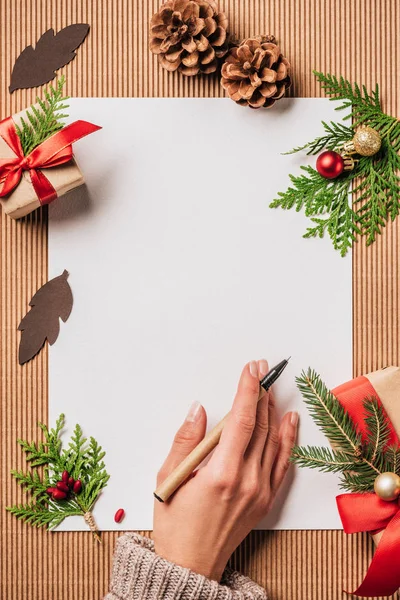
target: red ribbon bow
<point>367,512</point>
<point>54,151</point>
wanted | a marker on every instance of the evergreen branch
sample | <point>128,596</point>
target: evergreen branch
<point>74,456</point>
<point>364,106</point>
<point>376,194</point>
<point>39,515</point>
<point>336,135</point>
<point>94,474</point>
<point>329,414</point>
<point>81,461</point>
<point>392,456</point>
<point>31,481</point>
<point>326,202</point>
<point>356,483</point>
<point>358,460</point>
<point>378,427</point>
<point>41,123</point>
<point>340,223</point>
<point>324,459</point>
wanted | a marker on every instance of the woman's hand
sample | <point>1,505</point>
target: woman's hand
<point>208,517</point>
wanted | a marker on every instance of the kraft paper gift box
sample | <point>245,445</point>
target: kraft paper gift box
<point>23,199</point>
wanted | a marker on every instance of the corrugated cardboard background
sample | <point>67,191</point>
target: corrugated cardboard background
<point>356,38</point>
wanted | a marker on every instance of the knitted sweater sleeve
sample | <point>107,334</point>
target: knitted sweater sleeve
<point>140,574</point>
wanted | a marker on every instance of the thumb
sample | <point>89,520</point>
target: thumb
<point>190,433</point>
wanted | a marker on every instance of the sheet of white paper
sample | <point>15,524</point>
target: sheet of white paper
<point>181,273</point>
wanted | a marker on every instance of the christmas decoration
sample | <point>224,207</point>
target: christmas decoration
<point>53,301</point>
<point>33,146</point>
<point>36,66</point>
<point>366,453</point>
<point>387,486</point>
<point>189,36</point>
<point>65,487</point>
<point>330,164</point>
<point>366,142</point>
<point>374,182</point>
<point>255,73</point>
<point>64,481</point>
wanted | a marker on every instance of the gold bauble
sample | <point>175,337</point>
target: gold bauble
<point>387,486</point>
<point>367,141</point>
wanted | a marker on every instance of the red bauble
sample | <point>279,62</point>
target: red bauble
<point>330,164</point>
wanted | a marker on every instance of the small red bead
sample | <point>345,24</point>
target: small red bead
<point>71,482</point>
<point>64,476</point>
<point>77,486</point>
<point>50,490</point>
<point>59,495</point>
<point>330,164</point>
<point>119,515</point>
<point>62,486</point>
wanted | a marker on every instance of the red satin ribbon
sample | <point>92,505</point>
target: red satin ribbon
<point>367,512</point>
<point>54,151</point>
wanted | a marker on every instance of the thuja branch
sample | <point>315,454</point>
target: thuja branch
<point>338,207</point>
<point>69,482</point>
<point>43,120</point>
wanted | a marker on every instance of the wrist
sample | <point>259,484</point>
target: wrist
<point>197,564</point>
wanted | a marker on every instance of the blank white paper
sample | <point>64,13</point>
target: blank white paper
<point>181,273</point>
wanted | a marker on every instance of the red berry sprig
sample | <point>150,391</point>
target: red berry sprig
<point>65,487</point>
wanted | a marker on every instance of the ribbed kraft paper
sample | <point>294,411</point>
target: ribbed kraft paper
<point>358,39</point>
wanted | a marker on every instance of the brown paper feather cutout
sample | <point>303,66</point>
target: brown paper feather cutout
<point>52,302</point>
<point>36,66</point>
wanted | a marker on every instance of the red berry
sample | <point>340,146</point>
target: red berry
<point>64,476</point>
<point>330,164</point>
<point>71,482</point>
<point>59,495</point>
<point>119,515</point>
<point>77,486</point>
<point>50,490</point>
<point>62,486</point>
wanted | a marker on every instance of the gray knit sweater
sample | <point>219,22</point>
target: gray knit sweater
<point>139,574</point>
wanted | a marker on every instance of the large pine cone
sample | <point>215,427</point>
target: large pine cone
<point>189,35</point>
<point>255,73</point>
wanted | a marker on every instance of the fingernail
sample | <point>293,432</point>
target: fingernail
<point>253,368</point>
<point>262,368</point>
<point>194,412</point>
<point>294,418</point>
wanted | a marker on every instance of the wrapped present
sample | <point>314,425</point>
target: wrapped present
<point>47,172</point>
<point>367,511</point>
<point>361,419</point>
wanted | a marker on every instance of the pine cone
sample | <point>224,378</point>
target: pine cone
<point>255,73</point>
<point>189,36</point>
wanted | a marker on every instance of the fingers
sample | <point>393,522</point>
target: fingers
<point>257,444</point>
<point>187,437</point>
<point>287,439</point>
<point>271,445</point>
<point>239,428</point>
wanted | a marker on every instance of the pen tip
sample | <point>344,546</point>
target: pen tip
<point>287,360</point>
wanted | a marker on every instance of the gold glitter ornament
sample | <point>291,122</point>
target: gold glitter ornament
<point>366,142</point>
<point>387,486</point>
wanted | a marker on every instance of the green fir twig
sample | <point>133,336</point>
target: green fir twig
<point>358,461</point>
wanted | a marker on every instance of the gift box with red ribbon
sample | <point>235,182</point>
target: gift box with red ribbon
<point>49,171</point>
<point>367,511</point>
